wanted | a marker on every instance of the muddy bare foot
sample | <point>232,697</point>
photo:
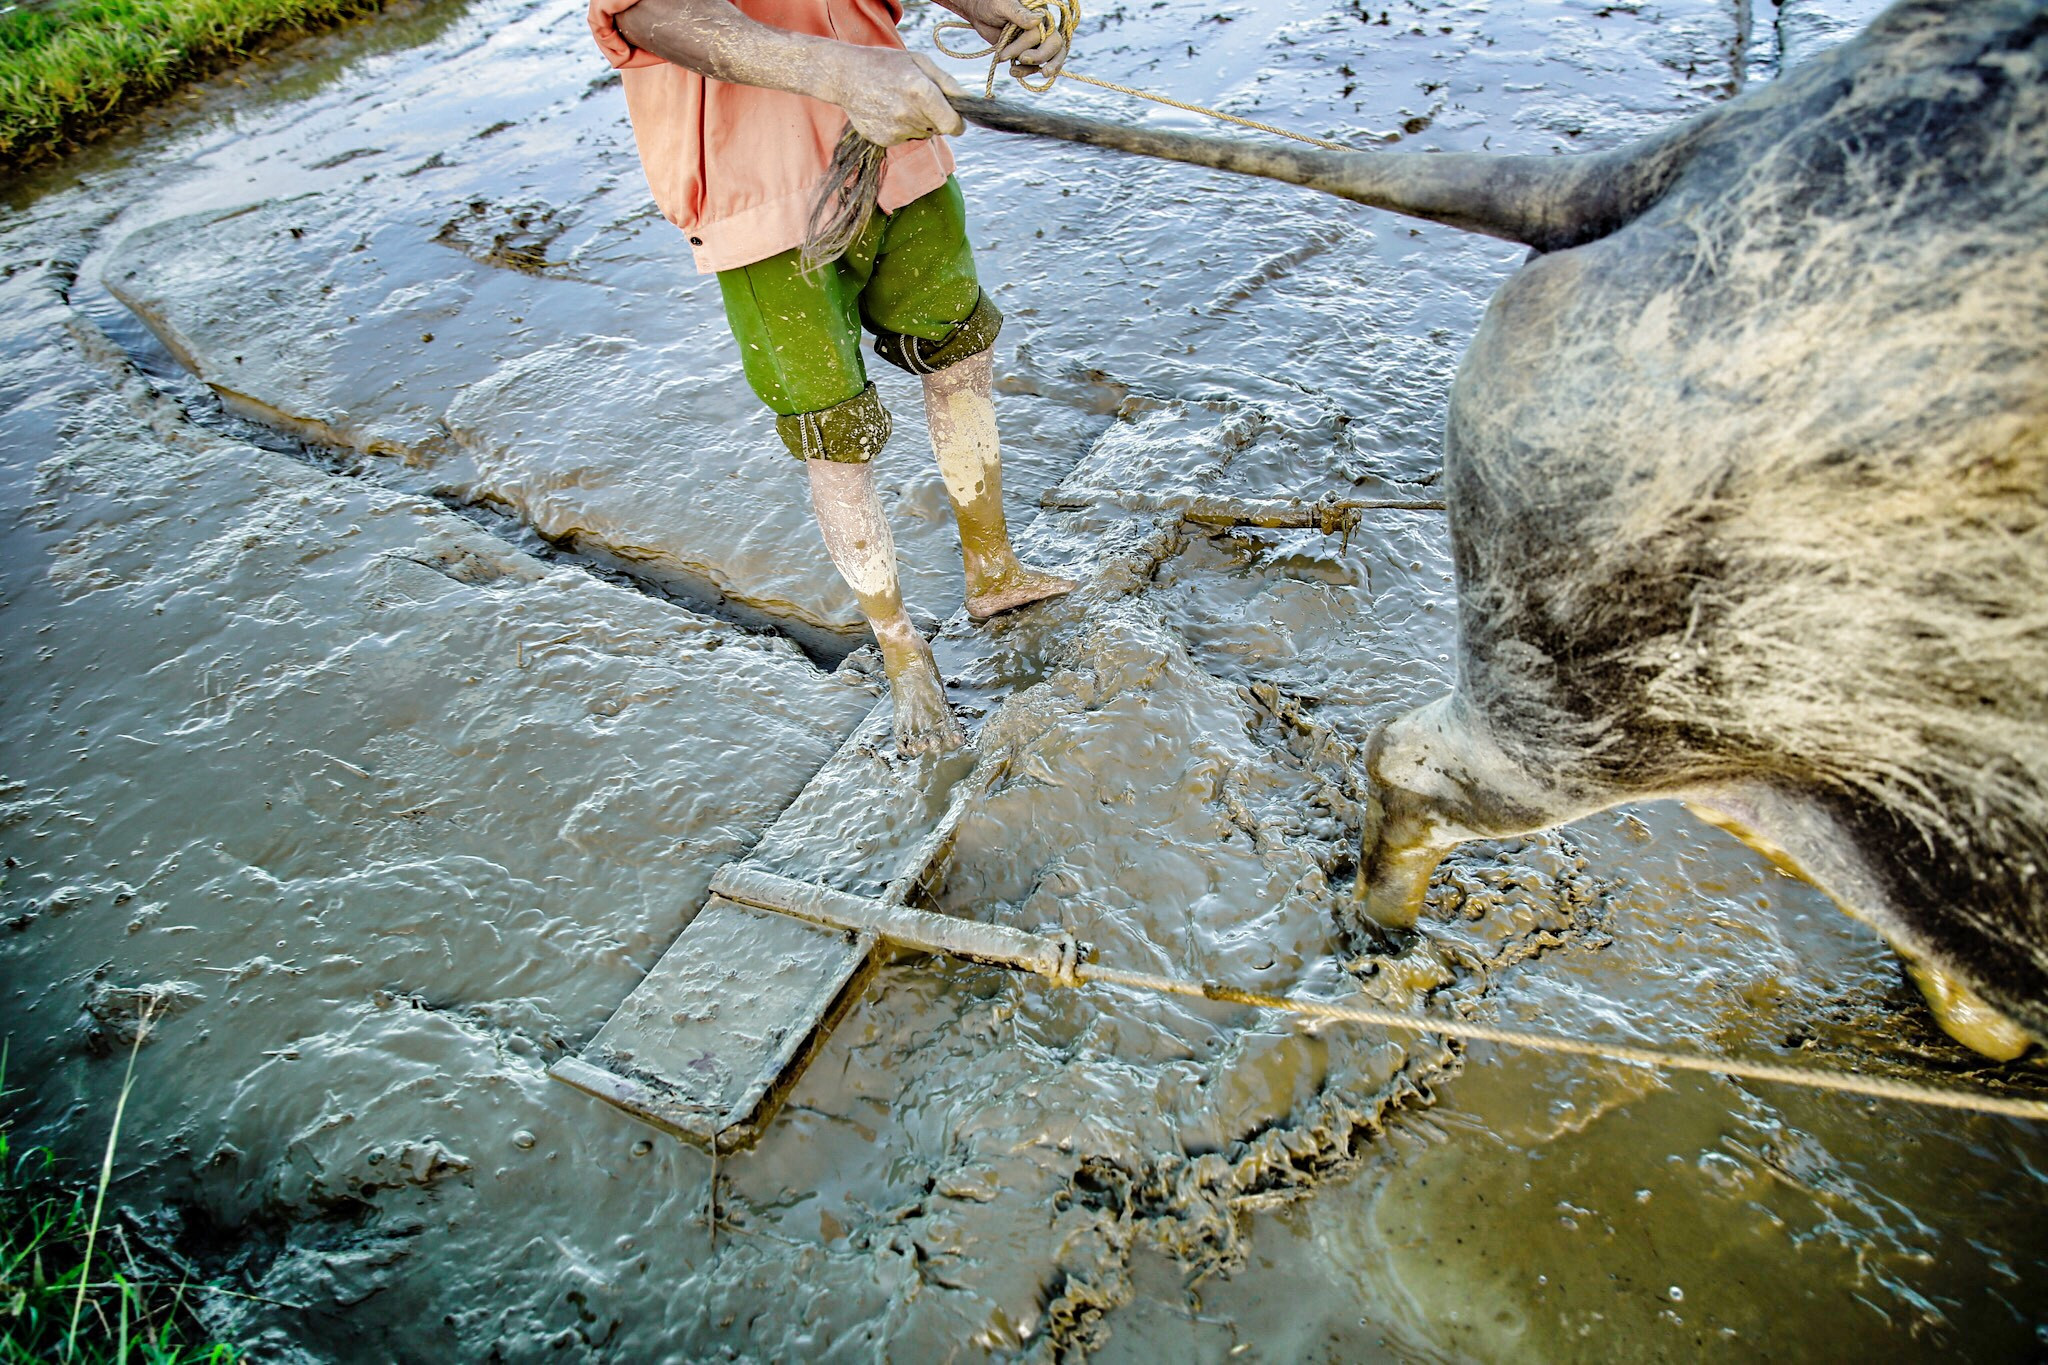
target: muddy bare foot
<point>924,720</point>
<point>1019,587</point>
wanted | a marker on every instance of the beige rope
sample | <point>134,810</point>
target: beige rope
<point>1062,17</point>
<point>1843,1082</point>
<point>1059,959</point>
<point>1212,113</point>
<point>1054,16</point>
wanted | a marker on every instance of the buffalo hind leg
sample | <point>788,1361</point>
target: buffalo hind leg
<point>1802,836</point>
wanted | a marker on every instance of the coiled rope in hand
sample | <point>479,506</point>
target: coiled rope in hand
<point>852,184</point>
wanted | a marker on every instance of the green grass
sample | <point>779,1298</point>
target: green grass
<point>72,1289</point>
<point>71,68</point>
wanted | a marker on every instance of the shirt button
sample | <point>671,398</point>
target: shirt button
<point>696,241</point>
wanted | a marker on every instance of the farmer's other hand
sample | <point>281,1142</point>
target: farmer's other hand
<point>604,27</point>
<point>1025,48</point>
<point>890,95</point>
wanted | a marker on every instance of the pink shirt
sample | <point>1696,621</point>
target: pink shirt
<point>735,166</point>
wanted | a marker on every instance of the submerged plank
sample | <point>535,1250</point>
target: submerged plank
<point>704,1047</point>
<point>707,1045</point>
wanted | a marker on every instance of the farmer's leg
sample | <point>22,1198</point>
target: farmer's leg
<point>931,317</point>
<point>800,345</point>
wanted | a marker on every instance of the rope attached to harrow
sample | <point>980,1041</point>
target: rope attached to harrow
<point>1840,1082</point>
<point>1063,962</point>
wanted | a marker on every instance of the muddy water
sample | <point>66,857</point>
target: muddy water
<point>379,708</point>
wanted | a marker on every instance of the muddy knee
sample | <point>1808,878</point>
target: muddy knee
<point>1403,838</point>
<point>1438,779</point>
<point>969,337</point>
<point>851,432</point>
<point>1395,859</point>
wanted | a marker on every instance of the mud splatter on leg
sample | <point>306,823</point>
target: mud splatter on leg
<point>857,537</point>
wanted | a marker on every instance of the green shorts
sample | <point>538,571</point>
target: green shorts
<point>908,278</point>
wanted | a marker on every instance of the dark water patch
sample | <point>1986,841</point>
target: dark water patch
<point>513,237</point>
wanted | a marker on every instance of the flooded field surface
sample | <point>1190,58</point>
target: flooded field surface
<point>407,609</point>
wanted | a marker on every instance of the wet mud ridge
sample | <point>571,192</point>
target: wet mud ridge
<point>423,362</point>
<point>231,416</point>
<point>391,436</point>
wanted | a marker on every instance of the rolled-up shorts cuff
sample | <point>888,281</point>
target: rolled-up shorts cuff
<point>974,334</point>
<point>852,432</point>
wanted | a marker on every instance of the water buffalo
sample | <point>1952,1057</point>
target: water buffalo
<point>1747,472</point>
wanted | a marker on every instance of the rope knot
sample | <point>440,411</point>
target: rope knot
<point>1065,969</point>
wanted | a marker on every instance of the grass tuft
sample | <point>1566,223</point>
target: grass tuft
<point>74,1291</point>
<point>71,68</point>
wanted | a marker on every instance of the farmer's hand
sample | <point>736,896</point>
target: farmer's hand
<point>1026,48</point>
<point>889,95</point>
<point>604,27</point>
